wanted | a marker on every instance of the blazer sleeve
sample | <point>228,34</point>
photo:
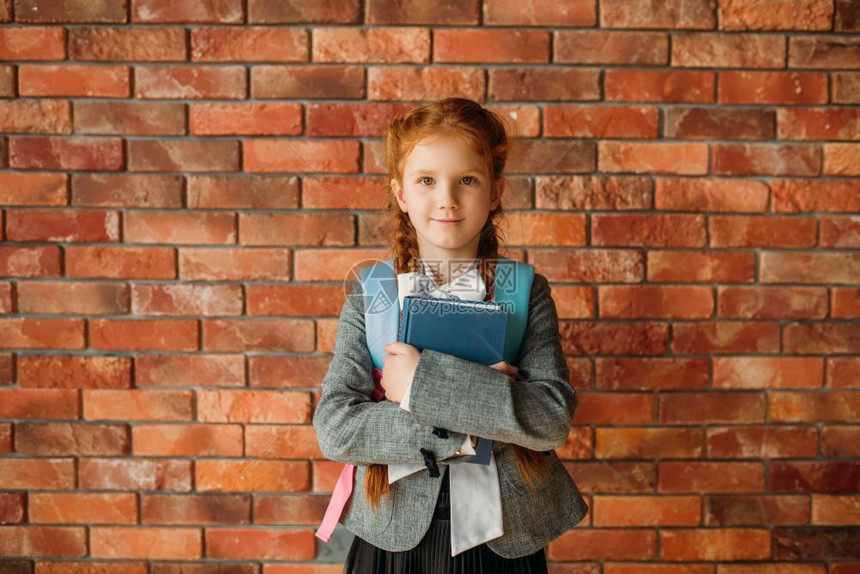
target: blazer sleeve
<point>534,411</point>
<point>349,425</point>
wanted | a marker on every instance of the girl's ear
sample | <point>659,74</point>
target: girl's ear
<point>398,194</point>
<point>496,197</point>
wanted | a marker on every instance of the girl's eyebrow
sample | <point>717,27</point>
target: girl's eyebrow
<point>431,172</point>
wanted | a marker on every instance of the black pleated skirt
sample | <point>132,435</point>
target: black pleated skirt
<point>433,554</point>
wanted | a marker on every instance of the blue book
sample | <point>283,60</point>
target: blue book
<point>471,330</point>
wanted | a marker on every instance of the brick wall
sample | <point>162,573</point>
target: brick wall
<point>171,267</point>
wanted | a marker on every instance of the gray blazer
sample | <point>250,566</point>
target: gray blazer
<point>465,398</point>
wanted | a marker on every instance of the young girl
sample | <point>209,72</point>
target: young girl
<point>446,161</point>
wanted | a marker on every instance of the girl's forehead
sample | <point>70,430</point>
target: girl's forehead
<point>428,148</point>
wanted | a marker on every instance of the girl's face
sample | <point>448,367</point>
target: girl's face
<point>445,180</point>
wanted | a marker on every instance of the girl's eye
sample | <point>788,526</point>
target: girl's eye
<point>469,177</point>
<point>423,178</point>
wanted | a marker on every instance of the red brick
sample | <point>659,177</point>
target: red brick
<point>273,371</point>
<point>266,476</point>
<point>772,88</point>
<point>83,508</point>
<point>149,543</point>
<point>65,297</point>
<point>647,443</point>
<point>423,12</point>
<point>693,476</point>
<point>775,14</point>
<point>564,156</point>
<point>811,268</point>
<point>365,119</point>
<point>177,155</point>
<point>716,50</point>
<point>296,229</point>
<point>818,123</point>
<point>537,13</point>
<point>609,47</point>
<point>357,193</point>
<point>138,405</point>
<point>187,440</point>
<point>766,159</point>
<point>72,439</point>
<point>211,11</point>
<point>241,264</point>
<point>129,118</point>
<point>261,543</point>
<point>307,82</point>
<point>793,196</point>
<point>66,153</point>
<point>845,301</point>
<point>37,473</point>
<point>841,159</point>
<point>846,19</point>
<point>290,509</point>
<point>249,43</point>
<point>252,192</point>
<point>692,14</point>
<point>64,225</point>
<point>290,335</point>
<point>709,407</point>
<point>660,158</point>
<point>715,123</point>
<point>120,262</point>
<point>656,301</point>
<point>30,261</point>
<point>296,441</point>
<point>815,52</point>
<point>254,406</point>
<point>33,43</point>
<point>120,474</point>
<point>723,544</point>
<point>7,82</point>
<point>819,407</point>
<point>650,374</point>
<point>421,82</point>
<point>490,46</point>
<point>54,404</point>
<point>43,541</point>
<point>33,189</point>
<point>845,87</point>
<point>770,302</point>
<point>130,334</point>
<point>272,155</point>
<point>74,81</point>
<point>194,299</point>
<point>840,440</point>
<point>294,300</point>
<point>195,509</point>
<point>604,543</point>
<point>839,231</point>
<point>762,441</point>
<point>597,121</point>
<point>390,45</point>
<point>190,82</point>
<point>591,265</point>
<point>726,337</point>
<point>126,190</point>
<point>337,265</point>
<point>544,84</point>
<point>746,509</point>
<point>544,229</point>
<point>710,195</point>
<point>814,476</point>
<point>587,193</point>
<point>835,510</point>
<point>659,86</point>
<point>13,507</point>
<point>321,12</point>
<point>183,227</point>
<point>42,333</point>
<point>189,370</point>
<point>239,119</point>
<point>648,511</point>
<point>71,11</point>
<point>6,432</point>
<point>127,44</point>
<point>74,371</point>
<point>615,408</point>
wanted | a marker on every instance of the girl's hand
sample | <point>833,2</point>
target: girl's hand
<point>503,367</point>
<point>398,369</point>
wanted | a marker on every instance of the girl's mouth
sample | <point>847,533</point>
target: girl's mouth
<point>448,221</point>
